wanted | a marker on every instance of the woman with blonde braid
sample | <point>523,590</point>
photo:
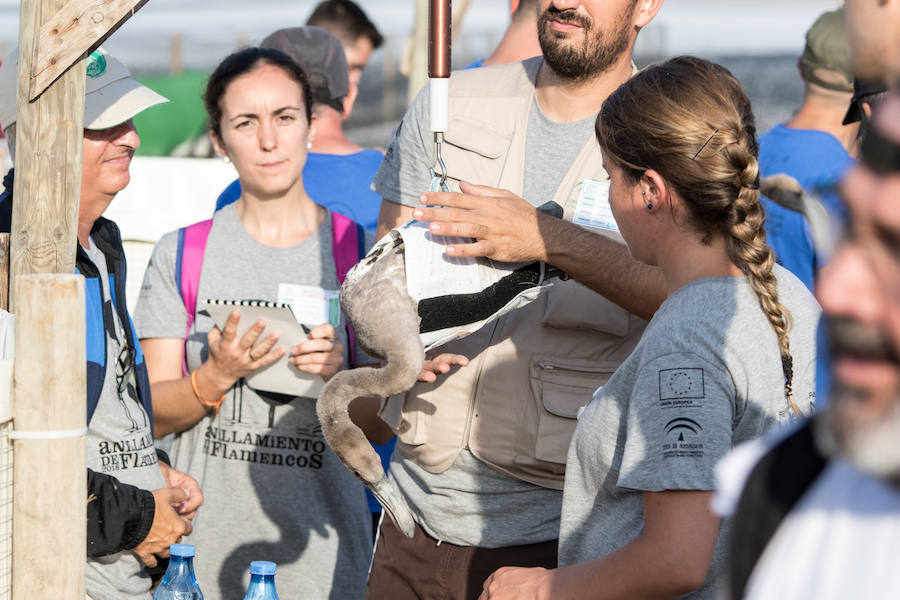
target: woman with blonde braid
<point>729,354</point>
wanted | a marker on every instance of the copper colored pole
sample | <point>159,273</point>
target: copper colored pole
<point>439,39</point>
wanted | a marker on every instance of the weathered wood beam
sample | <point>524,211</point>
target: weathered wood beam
<point>49,525</point>
<point>75,31</point>
<point>49,133</point>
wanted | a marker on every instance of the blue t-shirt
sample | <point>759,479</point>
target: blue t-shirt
<point>788,235</point>
<point>339,182</point>
<point>818,161</point>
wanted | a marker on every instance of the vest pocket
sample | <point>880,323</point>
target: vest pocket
<point>476,149</point>
<point>562,387</point>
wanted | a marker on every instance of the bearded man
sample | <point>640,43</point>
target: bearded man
<point>483,437</point>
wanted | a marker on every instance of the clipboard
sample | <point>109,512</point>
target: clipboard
<point>281,376</point>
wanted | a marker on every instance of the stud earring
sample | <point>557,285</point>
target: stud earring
<point>649,206</point>
<point>227,159</point>
<point>309,145</point>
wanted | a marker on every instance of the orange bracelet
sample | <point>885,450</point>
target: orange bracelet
<point>213,405</point>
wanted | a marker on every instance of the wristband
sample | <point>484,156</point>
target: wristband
<point>215,406</point>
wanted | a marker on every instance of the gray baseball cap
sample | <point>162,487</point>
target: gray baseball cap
<point>111,94</point>
<point>319,54</point>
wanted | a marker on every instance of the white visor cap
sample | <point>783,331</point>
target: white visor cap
<point>111,94</point>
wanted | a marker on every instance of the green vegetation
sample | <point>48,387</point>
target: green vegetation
<point>164,127</point>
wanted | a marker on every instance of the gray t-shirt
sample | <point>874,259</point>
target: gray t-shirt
<point>273,489</point>
<point>119,443</point>
<point>471,504</point>
<point>705,376</point>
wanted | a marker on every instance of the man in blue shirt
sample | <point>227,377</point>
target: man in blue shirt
<point>813,146</point>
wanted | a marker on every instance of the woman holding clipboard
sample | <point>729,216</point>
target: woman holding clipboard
<point>274,490</point>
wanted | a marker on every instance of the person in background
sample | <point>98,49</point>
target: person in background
<point>813,146</point>
<point>520,41</point>
<point>679,144</point>
<point>338,173</point>
<point>274,488</point>
<point>866,96</point>
<point>350,24</point>
<point>137,504</point>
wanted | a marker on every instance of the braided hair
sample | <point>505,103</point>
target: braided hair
<point>691,121</point>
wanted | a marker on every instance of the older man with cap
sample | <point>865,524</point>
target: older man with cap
<point>338,172</point>
<point>128,524</point>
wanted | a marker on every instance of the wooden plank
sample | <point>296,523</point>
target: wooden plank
<point>49,133</point>
<point>4,271</point>
<point>75,31</point>
<point>49,528</point>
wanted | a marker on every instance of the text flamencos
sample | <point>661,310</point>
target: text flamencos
<point>301,452</point>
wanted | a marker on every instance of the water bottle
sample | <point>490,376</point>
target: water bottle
<point>262,581</point>
<point>179,582</point>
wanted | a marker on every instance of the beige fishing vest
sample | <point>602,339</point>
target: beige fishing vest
<point>515,405</point>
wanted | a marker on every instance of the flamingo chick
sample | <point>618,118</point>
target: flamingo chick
<point>384,319</point>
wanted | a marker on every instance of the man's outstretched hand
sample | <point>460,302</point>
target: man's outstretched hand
<point>505,227</point>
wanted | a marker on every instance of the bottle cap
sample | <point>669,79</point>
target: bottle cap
<point>262,567</point>
<point>182,550</point>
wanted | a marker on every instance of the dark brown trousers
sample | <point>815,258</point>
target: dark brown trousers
<point>420,568</point>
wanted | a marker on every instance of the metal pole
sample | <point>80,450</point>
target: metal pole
<point>439,76</point>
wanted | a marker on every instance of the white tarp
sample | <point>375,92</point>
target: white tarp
<point>164,194</point>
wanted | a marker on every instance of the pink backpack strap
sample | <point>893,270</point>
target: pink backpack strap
<point>348,245</point>
<point>188,265</point>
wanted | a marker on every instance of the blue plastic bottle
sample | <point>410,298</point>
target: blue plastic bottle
<point>262,581</point>
<point>179,582</point>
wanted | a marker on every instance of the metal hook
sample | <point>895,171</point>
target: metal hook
<point>438,140</point>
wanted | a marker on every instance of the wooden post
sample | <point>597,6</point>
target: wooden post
<point>49,527</point>
<point>48,160</point>
<point>176,54</point>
